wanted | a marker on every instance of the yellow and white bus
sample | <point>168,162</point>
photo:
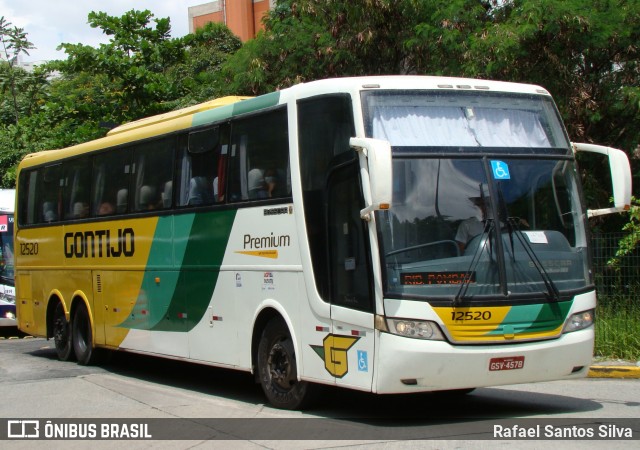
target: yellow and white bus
<point>387,234</point>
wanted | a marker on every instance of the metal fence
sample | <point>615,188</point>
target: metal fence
<point>618,313</point>
<point>621,280</point>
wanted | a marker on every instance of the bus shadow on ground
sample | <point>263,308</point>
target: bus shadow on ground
<point>338,403</point>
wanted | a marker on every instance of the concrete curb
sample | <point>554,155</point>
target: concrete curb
<point>613,371</point>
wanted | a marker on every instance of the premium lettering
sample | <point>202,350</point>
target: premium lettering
<point>100,244</point>
<point>271,241</point>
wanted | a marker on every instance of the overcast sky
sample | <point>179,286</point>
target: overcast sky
<point>49,23</point>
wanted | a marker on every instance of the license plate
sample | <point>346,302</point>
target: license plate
<point>508,363</point>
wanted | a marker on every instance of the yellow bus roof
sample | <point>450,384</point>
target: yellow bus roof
<point>132,131</point>
<point>216,103</point>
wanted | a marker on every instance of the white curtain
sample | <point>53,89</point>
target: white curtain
<point>458,127</point>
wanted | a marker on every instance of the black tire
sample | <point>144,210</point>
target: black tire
<point>277,368</point>
<point>83,336</point>
<point>62,334</point>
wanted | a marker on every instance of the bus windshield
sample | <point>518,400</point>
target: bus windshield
<point>486,203</point>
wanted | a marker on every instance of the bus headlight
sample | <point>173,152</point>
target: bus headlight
<point>579,321</point>
<point>415,329</point>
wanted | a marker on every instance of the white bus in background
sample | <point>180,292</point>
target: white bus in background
<point>7,285</point>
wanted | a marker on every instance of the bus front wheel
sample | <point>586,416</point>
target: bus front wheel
<point>82,336</point>
<point>62,334</point>
<point>277,368</point>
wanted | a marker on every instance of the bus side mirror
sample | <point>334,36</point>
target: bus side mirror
<point>375,170</point>
<point>620,176</point>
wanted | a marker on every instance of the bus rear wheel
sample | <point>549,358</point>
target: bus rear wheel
<point>277,368</point>
<point>82,336</point>
<point>62,334</point>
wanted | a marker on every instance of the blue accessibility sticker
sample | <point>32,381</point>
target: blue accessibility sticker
<point>500,170</point>
<point>363,363</point>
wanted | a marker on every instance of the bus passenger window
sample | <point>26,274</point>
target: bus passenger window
<point>77,188</point>
<point>259,159</point>
<point>111,182</point>
<point>153,170</point>
<point>199,161</point>
<point>28,206</point>
<point>49,193</point>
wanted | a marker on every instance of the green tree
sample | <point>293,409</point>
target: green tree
<point>585,53</point>
<point>311,39</point>
<point>14,43</point>
<point>131,70</point>
<point>141,71</point>
<point>196,78</point>
<point>632,240</point>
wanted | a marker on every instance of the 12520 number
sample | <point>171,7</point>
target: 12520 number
<point>458,316</point>
<point>28,248</point>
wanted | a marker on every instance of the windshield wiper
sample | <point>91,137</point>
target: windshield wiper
<point>514,228</point>
<point>489,225</point>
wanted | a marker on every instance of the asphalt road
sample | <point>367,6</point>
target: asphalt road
<point>206,407</point>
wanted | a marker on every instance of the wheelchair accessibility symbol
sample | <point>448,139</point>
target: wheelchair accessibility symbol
<point>500,170</point>
<point>363,363</point>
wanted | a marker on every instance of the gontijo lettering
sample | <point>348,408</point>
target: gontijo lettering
<point>99,244</point>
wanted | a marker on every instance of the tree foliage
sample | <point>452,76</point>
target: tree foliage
<point>631,240</point>
<point>130,70</point>
<point>141,71</point>
<point>13,43</point>
<point>585,53</point>
<point>205,52</point>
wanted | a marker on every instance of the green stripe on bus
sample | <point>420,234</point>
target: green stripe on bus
<point>206,244</point>
<point>534,318</point>
<point>255,104</point>
<point>159,281</point>
<point>183,268</point>
<point>212,115</point>
<point>235,109</point>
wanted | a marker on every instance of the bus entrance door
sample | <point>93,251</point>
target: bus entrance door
<point>352,337</point>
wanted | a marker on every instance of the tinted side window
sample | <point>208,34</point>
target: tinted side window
<point>259,157</point>
<point>77,189</point>
<point>153,163</point>
<point>41,195</point>
<point>27,207</point>
<point>201,166</point>
<point>111,174</point>
<point>49,194</point>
